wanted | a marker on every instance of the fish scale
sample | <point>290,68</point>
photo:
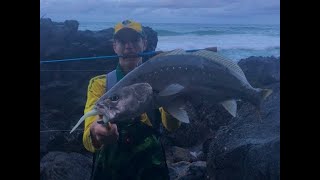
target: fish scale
<point>231,65</point>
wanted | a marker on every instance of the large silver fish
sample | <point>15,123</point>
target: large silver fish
<point>178,76</point>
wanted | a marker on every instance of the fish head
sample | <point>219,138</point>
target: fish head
<point>125,103</point>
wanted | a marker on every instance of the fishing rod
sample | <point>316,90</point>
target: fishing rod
<point>150,53</point>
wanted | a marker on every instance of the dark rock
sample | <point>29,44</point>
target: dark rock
<point>187,171</point>
<point>67,166</point>
<point>71,25</point>
<point>247,148</point>
<point>201,156</point>
<point>261,71</point>
<point>64,40</point>
<point>175,154</point>
<point>204,120</point>
<point>66,142</point>
<point>152,38</point>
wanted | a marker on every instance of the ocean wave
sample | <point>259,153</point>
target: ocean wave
<point>200,32</point>
<point>167,33</point>
<point>234,46</point>
<point>233,40</point>
<point>222,41</point>
<point>237,54</point>
<point>218,30</point>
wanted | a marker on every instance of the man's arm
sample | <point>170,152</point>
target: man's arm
<point>96,88</point>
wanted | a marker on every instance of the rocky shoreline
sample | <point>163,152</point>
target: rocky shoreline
<point>213,146</point>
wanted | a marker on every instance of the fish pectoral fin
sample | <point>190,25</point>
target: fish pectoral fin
<point>179,114</point>
<point>88,114</point>
<point>230,106</point>
<point>171,90</point>
<point>177,111</point>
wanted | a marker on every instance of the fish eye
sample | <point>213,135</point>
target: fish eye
<point>114,98</point>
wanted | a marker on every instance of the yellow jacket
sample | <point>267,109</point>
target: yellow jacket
<point>96,89</point>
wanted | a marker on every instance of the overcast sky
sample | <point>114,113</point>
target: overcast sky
<point>170,11</point>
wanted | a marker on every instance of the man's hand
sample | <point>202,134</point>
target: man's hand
<point>103,135</point>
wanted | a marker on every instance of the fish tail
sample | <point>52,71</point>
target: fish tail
<point>88,114</point>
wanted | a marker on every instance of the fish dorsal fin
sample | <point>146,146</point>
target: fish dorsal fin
<point>171,90</point>
<point>230,106</point>
<point>228,63</point>
<point>177,110</point>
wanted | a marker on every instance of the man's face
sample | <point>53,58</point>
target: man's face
<point>129,43</point>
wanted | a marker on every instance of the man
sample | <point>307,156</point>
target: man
<point>125,150</point>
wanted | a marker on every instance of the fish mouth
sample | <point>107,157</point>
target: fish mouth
<point>104,112</point>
